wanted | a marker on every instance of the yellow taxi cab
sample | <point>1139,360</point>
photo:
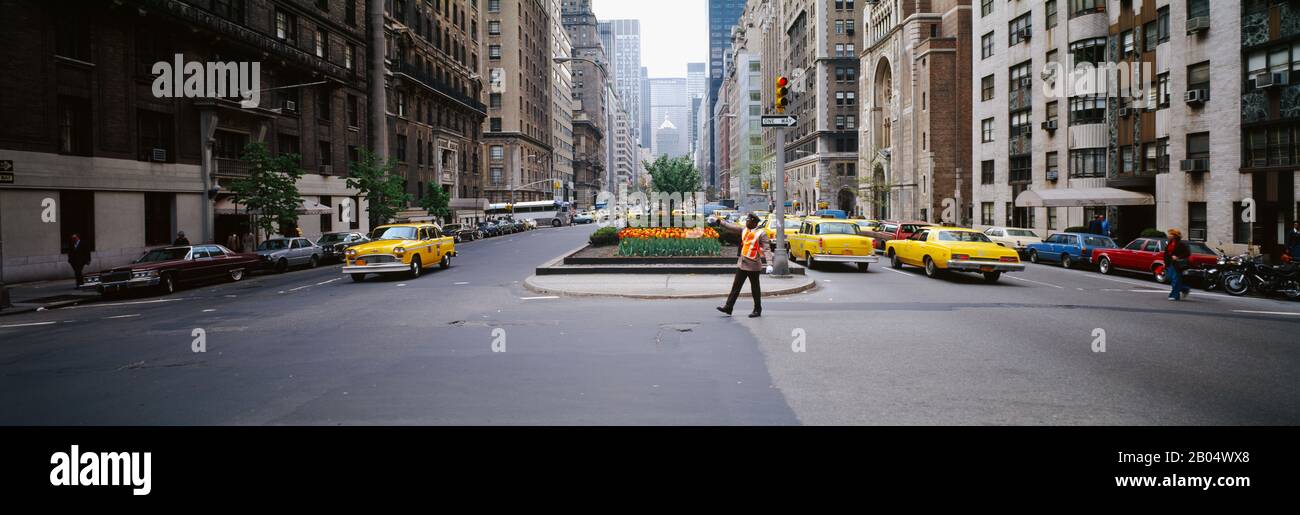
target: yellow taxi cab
<point>768,225</point>
<point>400,249</point>
<point>953,248</point>
<point>828,240</point>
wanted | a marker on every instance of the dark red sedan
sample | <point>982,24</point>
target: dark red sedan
<point>1146,255</point>
<point>893,230</point>
<point>167,268</point>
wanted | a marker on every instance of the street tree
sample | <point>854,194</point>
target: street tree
<point>437,202</point>
<point>382,187</point>
<point>676,175</point>
<point>270,191</point>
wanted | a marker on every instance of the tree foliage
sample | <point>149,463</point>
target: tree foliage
<point>271,188</point>
<point>437,202</point>
<point>674,175</point>
<point>383,189</point>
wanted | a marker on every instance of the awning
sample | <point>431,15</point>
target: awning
<point>226,206</point>
<point>1084,197</point>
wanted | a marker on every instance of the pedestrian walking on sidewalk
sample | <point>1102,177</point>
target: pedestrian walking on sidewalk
<point>78,257</point>
<point>753,251</point>
<point>1177,255</point>
<point>181,240</point>
<point>1293,240</point>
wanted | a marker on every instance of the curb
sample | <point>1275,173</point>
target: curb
<point>528,284</point>
<point>17,309</point>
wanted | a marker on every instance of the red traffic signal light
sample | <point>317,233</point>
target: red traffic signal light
<point>782,89</point>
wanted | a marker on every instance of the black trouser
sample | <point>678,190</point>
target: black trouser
<point>754,289</point>
<point>76,270</point>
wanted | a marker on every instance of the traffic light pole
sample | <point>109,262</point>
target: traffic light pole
<point>780,261</point>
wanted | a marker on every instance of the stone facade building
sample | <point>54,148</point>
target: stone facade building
<point>517,131</point>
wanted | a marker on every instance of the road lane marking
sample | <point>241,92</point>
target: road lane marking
<point>461,284</point>
<point>538,298</point>
<point>124,303</point>
<point>898,271</point>
<point>27,325</point>
<point>301,288</point>
<point>208,310</point>
<point>329,281</point>
<point>1036,282</point>
<point>121,316</point>
<point>1282,313</point>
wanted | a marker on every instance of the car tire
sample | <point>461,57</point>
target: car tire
<point>931,269</point>
<point>1033,257</point>
<point>446,262</point>
<point>281,266</point>
<point>864,267</point>
<point>1158,272</point>
<point>1066,262</point>
<point>992,277</point>
<point>236,275</point>
<point>167,283</point>
<point>555,223</point>
<point>1103,266</point>
<point>895,262</point>
<point>417,268</point>
<point>356,278</point>
<point>810,260</point>
<point>315,261</point>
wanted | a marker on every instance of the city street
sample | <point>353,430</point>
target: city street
<point>884,347</point>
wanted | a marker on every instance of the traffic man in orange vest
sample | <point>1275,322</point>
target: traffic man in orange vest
<point>753,250</point>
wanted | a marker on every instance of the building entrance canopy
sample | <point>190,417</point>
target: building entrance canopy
<point>1084,197</point>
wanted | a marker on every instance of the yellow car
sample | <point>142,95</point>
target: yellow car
<point>952,248</point>
<point>827,240</point>
<point>791,228</point>
<point>400,249</point>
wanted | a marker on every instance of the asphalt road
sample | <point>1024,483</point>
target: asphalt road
<point>884,347</point>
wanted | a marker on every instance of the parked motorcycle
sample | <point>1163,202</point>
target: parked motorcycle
<point>1246,273</point>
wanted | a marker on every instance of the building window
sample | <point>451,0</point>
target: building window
<point>1197,222</point>
<point>350,12</point>
<point>1198,145</point>
<point>74,126</point>
<point>1088,162</point>
<point>496,152</point>
<point>1051,219</point>
<point>1021,170</point>
<point>1126,162</point>
<point>986,130</point>
<point>494,174</point>
<point>401,148</point>
<point>324,110</point>
<point>349,56</point>
<point>1019,29</point>
<point>156,132</point>
<point>494,100</point>
<point>1162,24</point>
<point>494,6</point>
<point>1162,90</point>
<point>72,37</point>
<point>986,172</point>
<point>1092,50</point>
<point>987,88</point>
<point>986,46</point>
<point>1082,7</point>
<point>986,7</point>
<point>1053,110</point>
<point>1053,166</point>
<point>1149,37</point>
<point>325,153</point>
<point>494,28</point>
<point>1087,109</point>
<point>229,9</point>
<point>1051,13</point>
<point>1198,77</point>
<point>1198,8</point>
<point>353,109</point>
<point>986,213</point>
<point>494,51</point>
<point>286,27</point>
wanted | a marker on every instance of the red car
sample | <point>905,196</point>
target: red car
<point>166,268</point>
<point>1146,255</point>
<point>893,230</point>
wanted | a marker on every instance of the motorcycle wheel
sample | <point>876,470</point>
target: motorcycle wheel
<point>1235,284</point>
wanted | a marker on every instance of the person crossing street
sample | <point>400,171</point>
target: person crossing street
<point>753,252</point>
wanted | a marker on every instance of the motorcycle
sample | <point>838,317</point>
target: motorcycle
<point>1244,273</point>
<point>1211,277</point>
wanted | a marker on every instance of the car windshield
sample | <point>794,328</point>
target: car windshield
<point>157,255</point>
<point>451,228</point>
<point>1099,241</point>
<point>1021,233</point>
<point>331,238</point>
<point>274,245</point>
<point>911,227</point>
<point>964,236</point>
<point>837,228</point>
<point>395,233</point>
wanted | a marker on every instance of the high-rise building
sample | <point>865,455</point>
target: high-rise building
<point>723,15</point>
<point>669,101</point>
<point>591,83</point>
<point>697,86</point>
<point>821,57</point>
<point>915,111</point>
<point>1173,149</point>
<point>517,133</point>
<point>434,102</point>
<point>646,130</point>
<point>622,41</point>
<point>562,104</point>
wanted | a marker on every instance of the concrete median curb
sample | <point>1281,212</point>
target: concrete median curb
<point>657,287</point>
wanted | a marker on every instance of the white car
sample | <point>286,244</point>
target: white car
<point>1013,237</point>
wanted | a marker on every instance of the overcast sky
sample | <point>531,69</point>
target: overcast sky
<point>673,32</point>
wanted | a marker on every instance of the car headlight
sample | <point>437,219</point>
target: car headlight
<point>350,252</point>
<point>91,279</point>
<point>399,250</point>
<point>144,275</point>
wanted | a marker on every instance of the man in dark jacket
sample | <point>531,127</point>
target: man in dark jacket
<point>1177,256</point>
<point>753,250</point>
<point>78,257</point>
<point>1293,240</point>
<point>181,240</point>
<point>1096,226</point>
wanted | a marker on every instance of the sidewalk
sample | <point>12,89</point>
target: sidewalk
<point>662,286</point>
<point>27,297</point>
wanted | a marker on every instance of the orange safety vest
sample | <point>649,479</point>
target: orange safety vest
<point>749,247</point>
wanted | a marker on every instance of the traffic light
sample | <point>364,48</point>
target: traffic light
<point>782,90</point>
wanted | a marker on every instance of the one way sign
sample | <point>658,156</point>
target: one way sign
<point>779,121</point>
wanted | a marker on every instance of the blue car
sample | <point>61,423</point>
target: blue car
<point>1070,249</point>
<point>832,213</point>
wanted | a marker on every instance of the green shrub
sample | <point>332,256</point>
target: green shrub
<point>1153,233</point>
<point>604,237</point>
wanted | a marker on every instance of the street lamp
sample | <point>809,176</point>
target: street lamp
<point>562,60</point>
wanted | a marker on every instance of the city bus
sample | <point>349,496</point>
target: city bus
<point>554,213</point>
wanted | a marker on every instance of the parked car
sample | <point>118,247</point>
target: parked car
<point>520,225</point>
<point>460,233</point>
<point>1147,255</point>
<point>489,229</point>
<point>791,227</point>
<point>400,249</point>
<point>1069,248</point>
<point>1013,237</point>
<point>584,217</point>
<point>333,244</point>
<point>951,248</point>
<point>281,254</point>
<point>832,241</point>
<point>893,230</point>
<point>531,224</point>
<point>169,267</point>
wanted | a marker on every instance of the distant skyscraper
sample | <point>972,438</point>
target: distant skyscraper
<point>723,15</point>
<point>670,106</point>
<point>622,41</point>
<point>697,84</point>
<point>646,121</point>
